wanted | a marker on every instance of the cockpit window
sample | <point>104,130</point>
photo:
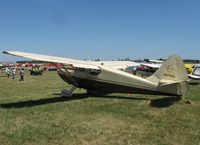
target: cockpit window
<point>94,71</point>
<point>89,71</point>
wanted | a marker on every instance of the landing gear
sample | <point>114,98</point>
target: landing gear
<point>67,77</point>
<point>68,93</point>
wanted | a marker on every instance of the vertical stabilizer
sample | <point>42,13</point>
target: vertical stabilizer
<point>171,76</point>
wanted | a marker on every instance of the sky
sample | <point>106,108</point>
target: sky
<point>101,29</point>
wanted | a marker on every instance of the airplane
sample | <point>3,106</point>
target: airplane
<point>189,68</point>
<point>1,66</point>
<point>194,76</point>
<point>170,79</point>
<point>147,69</point>
<point>154,61</point>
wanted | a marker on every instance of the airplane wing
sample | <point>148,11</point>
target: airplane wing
<point>74,62</point>
<point>54,59</point>
<point>194,77</point>
<point>120,65</point>
<point>151,65</point>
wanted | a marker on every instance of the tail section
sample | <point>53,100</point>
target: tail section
<point>171,77</point>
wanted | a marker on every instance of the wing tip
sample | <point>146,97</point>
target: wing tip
<point>5,52</point>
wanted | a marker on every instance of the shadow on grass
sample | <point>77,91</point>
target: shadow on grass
<point>32,103</point>
<point>158,103</point>
<point>119,97</point>
<point>163,102</point>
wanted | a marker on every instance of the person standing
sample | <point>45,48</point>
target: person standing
<point>13,73</point>
<point>8,72</point>
<point>21,73</point>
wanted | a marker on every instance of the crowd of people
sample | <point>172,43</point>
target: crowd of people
<point>11,72</point>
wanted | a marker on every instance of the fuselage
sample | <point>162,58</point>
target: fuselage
<point>108,80</point>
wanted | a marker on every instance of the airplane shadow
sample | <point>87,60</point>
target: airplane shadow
<point>159,103</point>
<point>195,84</point>
<point>119,97</point>
<point>32,103</point>
<point>164,102</point>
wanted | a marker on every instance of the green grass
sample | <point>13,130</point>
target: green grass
<point>32,113</point>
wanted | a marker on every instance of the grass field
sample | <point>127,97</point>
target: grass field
<point>33,113</point>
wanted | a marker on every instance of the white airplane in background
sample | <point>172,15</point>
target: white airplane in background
<point>155,61</point>
<point>147,69</point>
<point>194,77</point>
<point>170,79</point>
<point>1,66</point>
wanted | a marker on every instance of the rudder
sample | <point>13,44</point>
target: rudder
<point>171,76</point>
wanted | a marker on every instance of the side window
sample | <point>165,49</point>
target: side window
<point>94,71</point>
<point>88,71</point>
<point>82,69</point>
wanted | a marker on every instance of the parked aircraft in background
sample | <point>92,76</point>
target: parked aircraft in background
<point>147,69</point>
<point>6,65</point>
<point>1,66</point>
<point>170,79</point>
<point>155,61</point>
<point>194,77</point>
<point>189,68</point>
<point>27,64</point>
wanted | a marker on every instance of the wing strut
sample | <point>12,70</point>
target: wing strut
<point>67,73</point>
<point>65,92</point>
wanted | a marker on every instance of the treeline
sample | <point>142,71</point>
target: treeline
<point>191,61</point>
<point>30,61</point>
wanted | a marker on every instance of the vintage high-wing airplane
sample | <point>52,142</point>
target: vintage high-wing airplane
<point>170,79</point>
